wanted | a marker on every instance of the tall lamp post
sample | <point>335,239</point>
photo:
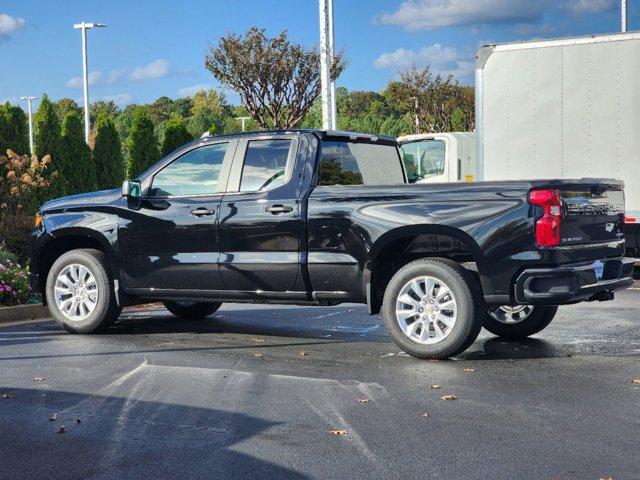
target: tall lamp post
<point>84,26</point>
<point>29,100</point>
<point>623,15</point>
<point>415,111</point>
<point>242,120</point>
<point>326,55</point>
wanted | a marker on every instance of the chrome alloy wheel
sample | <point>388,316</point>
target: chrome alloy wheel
<point>76,292</point>
<point>426,310</point>
<point>510,315</point>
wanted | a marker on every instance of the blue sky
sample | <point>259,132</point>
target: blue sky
<point>154,48</point>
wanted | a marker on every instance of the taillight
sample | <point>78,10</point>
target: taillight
<point>548,226</point>
<point>630,220</point>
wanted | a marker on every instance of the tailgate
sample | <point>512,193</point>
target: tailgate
<point>592,211</point>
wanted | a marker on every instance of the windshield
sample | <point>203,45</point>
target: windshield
<point>422,159</point>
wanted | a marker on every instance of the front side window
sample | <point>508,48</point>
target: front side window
<point>194,173</point>
<point>424,159</point>
<point>265,165</point>
<point>358,163</point>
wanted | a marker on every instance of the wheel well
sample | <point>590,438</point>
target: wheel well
<point>401,251</point>
<point>59,246</point>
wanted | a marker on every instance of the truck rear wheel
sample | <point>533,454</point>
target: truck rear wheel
<point>191,310</point>
<point>80,293</point>
<point>519,321</point>
<point>433,308</point>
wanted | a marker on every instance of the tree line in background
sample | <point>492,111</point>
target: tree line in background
<point>278,84</point>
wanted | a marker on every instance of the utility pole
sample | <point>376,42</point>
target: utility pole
<point>29,100</point>
<point>623,15</point>
<point>334,113</point>
<point>416,105</point>
<point>325,65</point>
<point>242,120</point>
<point>84,26</point>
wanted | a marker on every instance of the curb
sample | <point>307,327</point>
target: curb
<point>23,312</point>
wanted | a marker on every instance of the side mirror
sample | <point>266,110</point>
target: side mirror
<point>131,189</point>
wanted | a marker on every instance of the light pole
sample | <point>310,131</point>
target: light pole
<point>334,113</point>
<point>29,100</point>
<point>242,120</point>
<point>415,111</point>
<point>325,64</point>
<point>84,26</point>
<point>623,15</point>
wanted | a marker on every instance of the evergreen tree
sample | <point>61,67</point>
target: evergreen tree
<point>76,162</point>
<point>48,141</point>
<point>14,130</point>
<point>107,154</point>
<point>143,145</point>
<point>175,135</point>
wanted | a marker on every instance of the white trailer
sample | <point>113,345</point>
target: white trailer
<point>566,108</point>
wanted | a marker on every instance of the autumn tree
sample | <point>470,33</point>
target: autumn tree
<point>277,80</point>
<point>107,153</point>
<point>438,99</point>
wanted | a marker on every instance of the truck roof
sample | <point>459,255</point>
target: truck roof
<point>322,134</point>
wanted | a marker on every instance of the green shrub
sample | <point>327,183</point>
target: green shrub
<point>14,284</point>
<point>107,154</point>
<point>175,135</point>
<point>143,145</point>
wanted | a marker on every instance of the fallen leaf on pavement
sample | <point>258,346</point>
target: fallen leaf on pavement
<point>53,417</point>
<point>61,429</point>
<point>257,340</point>
<point>39,379</point>
<point>435,386</point>
<point>449,397</point>
<point>636,381</point>
<point>605,478</point>
<point>362,400</point>
<point>257,355</point>
<point>8,395</point>
<point>338,432</point>
<point>303,354</point>
<point>469,369</point>
<point>425,414</point>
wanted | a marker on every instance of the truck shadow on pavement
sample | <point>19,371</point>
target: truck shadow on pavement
<point>125,437</point>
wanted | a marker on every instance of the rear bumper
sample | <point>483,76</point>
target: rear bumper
<point>573,283</point>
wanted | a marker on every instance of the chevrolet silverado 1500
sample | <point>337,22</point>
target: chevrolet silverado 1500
<point>319,218</point>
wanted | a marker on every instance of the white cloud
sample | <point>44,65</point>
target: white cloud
<point>120,99</point>
<point>77,82</point>
<point>590,6</point>
<point>191,91</point>
<point>430,14</point>
<point>442,59</point>
<point>157,69</point>
<point>9,25</point>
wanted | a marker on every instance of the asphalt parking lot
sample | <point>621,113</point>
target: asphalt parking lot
<point>256,392</point>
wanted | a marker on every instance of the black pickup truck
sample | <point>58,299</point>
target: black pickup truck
<point>319,218</point>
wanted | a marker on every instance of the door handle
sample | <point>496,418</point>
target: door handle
<point>201,212</point>
<point>278,209</point>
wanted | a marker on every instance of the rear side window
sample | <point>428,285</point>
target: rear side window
<point>352,163</point>
<point>265,165</point>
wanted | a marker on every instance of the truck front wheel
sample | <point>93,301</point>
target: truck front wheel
<point>433,308</point>
<point>519,321</point>
<point>80,292</point>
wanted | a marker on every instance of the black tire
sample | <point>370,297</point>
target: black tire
<point>469,305</point>
<point>191,310</point>
<point>106,310</point>
<point>534,322</point>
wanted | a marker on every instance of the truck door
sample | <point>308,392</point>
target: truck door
<point>262,231</point>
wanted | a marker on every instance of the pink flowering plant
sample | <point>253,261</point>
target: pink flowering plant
<point>14,282</point>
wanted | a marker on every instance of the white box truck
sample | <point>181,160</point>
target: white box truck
<point>565,108</point>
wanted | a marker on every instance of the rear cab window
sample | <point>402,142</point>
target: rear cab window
<point>345,162</point>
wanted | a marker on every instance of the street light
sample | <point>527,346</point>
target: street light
<point>623,15</point>
<point>84,26</point>
<point>29,100</point>
<point>242,120</point>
